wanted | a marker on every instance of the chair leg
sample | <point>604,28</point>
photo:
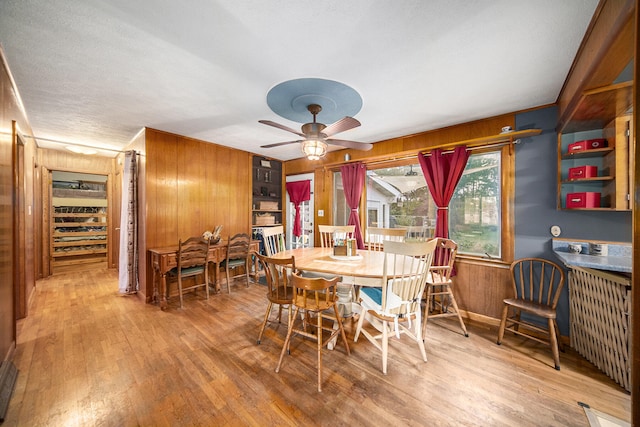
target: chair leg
<point>360,323</point>
<point>206,282</point>
<point>419,338</point>
<point>319,347</point>
<point>455,307</point>
<point>264,322</point>
<point>285,347</point>
<point>180,290</point>
<point>228,283</point>
<point>385,345</point>
<point>246,269</point>
<point>554,344</point>
<point>503,323</point>
<point>560,345</point>
<point>426,311</point>
<point>344,336</point>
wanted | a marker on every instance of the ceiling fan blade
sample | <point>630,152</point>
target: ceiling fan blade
<point>365,146</point>
<point>341,125</point>
<point>277,144</point>
<point>279,126</point>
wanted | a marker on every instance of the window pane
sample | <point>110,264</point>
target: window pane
<point>340,209</point>
<point>398,197</point>
<point>474,211</point>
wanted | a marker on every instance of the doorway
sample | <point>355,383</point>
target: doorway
<point>79,222</point>
<point>305,239</point>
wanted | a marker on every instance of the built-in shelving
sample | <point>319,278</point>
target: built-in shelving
<point>79,235</point>
<point>603,112</point>
<point>267,192</point>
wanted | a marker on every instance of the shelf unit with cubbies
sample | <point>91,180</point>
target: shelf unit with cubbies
<point>267,192</point>
<point>79,227</point>
<point>601,113</point>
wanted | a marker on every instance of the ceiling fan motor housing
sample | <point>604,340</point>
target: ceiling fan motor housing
<point>313,130</point>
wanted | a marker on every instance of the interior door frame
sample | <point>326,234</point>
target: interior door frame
<point>19,224</point>
<point>288,213</point>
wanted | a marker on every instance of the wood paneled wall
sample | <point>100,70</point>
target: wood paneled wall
<point>192,186</point>
<point>12,116</point>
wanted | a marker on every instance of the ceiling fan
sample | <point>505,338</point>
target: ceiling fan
<point>317,135</point>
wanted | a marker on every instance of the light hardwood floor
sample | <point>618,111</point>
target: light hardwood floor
<point>88,356</point>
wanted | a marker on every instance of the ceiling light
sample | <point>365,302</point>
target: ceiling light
<point>81,150</point>
<point>314,148</point>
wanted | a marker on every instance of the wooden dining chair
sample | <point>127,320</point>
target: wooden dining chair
<point>440,300</point>
<point>314,297</point>
<point>273,239</point>
<point>376,236</point>
<point>277,273</point>
<point>237,256</point>
<point>328,233</point>
<point>394,307</point>
<point>537,284</point>
<point>191,262</point>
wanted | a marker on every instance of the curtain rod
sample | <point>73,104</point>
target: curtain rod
<point>427,154</point>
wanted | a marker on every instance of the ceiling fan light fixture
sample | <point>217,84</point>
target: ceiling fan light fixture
<point>314,149</point>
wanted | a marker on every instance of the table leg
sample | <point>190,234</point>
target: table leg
<point>216,269</point>
<point>156,296</point>
<point>163,291</point>
<point>343,290</point>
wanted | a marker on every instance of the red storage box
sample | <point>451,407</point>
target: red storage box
<point>583,200</point>
<point>587,144</point>
<point>580,172</point>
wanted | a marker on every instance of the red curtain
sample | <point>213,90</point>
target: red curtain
<point>299,191</point>
<point>353,176</point>
<point>443,172</point>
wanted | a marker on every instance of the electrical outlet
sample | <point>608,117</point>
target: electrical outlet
<point>320,212</point>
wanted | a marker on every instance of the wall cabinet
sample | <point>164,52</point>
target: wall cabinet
<point>267,191</point>
<point>601,113</point>
<point>79,234</point>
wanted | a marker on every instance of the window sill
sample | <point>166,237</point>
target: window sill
<point>477,260</point>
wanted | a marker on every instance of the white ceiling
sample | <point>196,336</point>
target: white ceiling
<point>96,72</point>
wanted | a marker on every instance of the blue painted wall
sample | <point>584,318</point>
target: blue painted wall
<point>535,201</point>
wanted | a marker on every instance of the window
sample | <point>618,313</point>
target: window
<point>341,210</point>
<point>474,211</point>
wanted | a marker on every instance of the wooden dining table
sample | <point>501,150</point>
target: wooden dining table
<point>365,265</point>
<point>364,269</point>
